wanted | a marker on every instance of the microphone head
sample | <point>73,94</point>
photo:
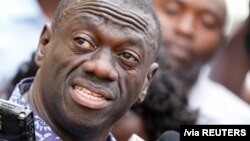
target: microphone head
<point>169,136</point>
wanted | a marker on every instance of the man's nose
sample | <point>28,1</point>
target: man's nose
<point>102,65</point>
<point>185,24</point>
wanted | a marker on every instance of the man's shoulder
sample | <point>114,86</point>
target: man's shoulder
<point>25,84</point>
<point>21,88</point>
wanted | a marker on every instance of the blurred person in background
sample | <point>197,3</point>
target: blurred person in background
<point>20,26</point>
<point>219,94</point>
<point>193,30</point>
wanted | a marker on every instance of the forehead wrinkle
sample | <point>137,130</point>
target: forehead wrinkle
<point>118,10</point>
<point>126,34</point>
<point>125,24</point>
<point>111,12</point>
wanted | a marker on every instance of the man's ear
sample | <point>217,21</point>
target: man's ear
<point>44,40</point>
<point>153,69</point>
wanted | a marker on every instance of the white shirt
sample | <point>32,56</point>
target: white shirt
<point>216,104</point>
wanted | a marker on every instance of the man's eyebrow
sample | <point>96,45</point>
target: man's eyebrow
<point>108,10</point>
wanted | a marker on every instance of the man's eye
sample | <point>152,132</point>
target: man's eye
<point>209,21</point>
<point>129,59</point>
<point>128,56</point>
<point>82,43</point>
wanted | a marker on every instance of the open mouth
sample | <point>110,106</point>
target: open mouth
<point>88,94</point>
<point>87,98</point>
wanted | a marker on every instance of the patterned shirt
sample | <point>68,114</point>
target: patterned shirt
<point>42,130</point>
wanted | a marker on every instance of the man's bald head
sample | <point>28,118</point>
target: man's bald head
<point>138,12</point>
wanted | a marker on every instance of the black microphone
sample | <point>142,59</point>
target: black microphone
<point>169,136</point>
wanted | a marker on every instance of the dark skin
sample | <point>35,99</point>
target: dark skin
<point>192,32</point>
<point>92,70</point>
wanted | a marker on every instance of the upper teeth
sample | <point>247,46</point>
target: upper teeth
<point>88,94</point>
